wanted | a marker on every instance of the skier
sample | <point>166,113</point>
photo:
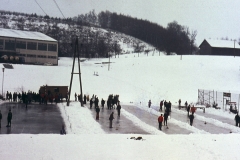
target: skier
<point>237,118</point>
<point>165,118</point>
<point>160,120</point>
<point>118,108</point>
<point>191,117</point>
<point>111,119</point>
<point>149,103</point>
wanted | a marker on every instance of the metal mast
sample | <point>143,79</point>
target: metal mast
<point>76,51</point>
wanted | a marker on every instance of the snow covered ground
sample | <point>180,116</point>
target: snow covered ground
<point>135,79</point>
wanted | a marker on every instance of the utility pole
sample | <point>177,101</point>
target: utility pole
<point>2,81</point>
<point>79,73</point>
<point>234,47</point>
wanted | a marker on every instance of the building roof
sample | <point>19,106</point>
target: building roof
<point>25,35</point>
<point>222,43</point>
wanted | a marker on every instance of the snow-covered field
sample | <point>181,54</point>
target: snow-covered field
<point>135,79</point>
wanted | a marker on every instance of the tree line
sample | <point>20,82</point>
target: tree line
<point>175,38</point>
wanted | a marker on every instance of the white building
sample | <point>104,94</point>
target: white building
<point>28,47</point>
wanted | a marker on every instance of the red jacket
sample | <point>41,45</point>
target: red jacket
<point>160,118</point>
<point>193,109</point>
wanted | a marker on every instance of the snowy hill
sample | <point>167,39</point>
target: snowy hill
<point>135,78</point>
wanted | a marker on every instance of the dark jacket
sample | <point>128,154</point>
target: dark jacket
<point>0,116</point>
<point>111,117</point>
<point>97,109</point>
<point>165,116</point>
<point>237,118</point>
<point>118,107</point>
<point>188,108</point>
<point>9,117</point>
<point>191,117</point>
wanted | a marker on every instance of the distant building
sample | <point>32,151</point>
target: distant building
<point>219,47</point>
<point>28,47</point>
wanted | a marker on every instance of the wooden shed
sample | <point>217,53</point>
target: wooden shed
<point>219,47</point>
<point>54,90</point>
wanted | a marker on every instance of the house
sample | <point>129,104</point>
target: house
<point>219,48</point>
<point>28,47</point>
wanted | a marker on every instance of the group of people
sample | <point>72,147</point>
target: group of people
<point>167,108</point>
<point>84,99</point>
<point>28,97</point>
<point>112,103</point>
<point>191,109</point>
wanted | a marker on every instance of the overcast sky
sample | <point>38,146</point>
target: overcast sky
<point>212,19</point>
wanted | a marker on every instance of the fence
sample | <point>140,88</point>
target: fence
<point>222,99</point>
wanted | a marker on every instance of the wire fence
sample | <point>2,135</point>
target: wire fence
<point>218,99</point>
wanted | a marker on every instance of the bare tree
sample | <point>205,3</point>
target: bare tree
<point>192,39</point>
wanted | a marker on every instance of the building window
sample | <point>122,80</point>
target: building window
<point>1,44</point>
<point>52,57</point>
<point>22,55</point>
<point>52,47</point>
<point>31,55</point>
<point>9,45</point>
<point>21,44</point>
<point>42,46</point>
<point>32,45</point>
<point>41,56</point>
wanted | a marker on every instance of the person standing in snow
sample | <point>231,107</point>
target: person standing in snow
<point>170,106</point>
<point>9,118</point>
<point>118,108</point>
<point>91,103</point>
<point>160,120</point>
<point>149,103</point>
<point>102,103</point>
<point>188,109</point>
<point>193,109</point>
<point>111,119</point>
<point>186,104</point>
<point>165,118</point>
<point>191,117</point>
<point>161,104</point>
<point>97,111</point>
<point>179,102</point>
<point>63,131</point>
<point>75,95</point>
<point>237,118</point>
<point>85,99</point>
